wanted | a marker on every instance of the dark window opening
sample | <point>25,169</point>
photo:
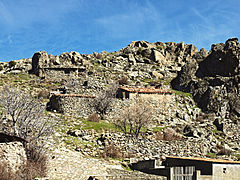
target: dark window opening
<point>67,71</point>
<point>224,170</point>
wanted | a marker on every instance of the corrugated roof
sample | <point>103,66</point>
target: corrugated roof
<point>206,160</point>
<point>146,90</point>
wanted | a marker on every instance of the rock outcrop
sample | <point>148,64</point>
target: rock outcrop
<point>213,79</point>
<point>137,61</point>
<point>13,155</point>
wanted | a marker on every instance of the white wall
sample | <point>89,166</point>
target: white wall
<point>231,172</point>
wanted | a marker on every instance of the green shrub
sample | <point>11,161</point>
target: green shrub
<point>12,63</point>
<point>139,51</point>
<point>1,68</point>
<point>211,155</point>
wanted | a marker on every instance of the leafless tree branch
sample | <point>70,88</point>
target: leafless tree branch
<point>23,116</point>
<point>134,117</point>
<point>104,100</point>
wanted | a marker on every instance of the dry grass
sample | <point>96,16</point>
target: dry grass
<point>27,171</point>
<point>43,94</point>
<point>6,173</point>
<point>123,80</point>
<point>94,117</point>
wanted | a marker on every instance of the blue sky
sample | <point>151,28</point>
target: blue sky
<point>86,26</point>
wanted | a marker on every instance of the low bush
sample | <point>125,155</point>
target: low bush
<point>113,151</point>
<point>224,151</point>
<point>99,56</point>
<point>169,134</point>
<point>43,94</point>
<point>12,63</point>
<point>6,173</point>
<point>36,166</point>
<point>94,117</point>
<point>123,80</point>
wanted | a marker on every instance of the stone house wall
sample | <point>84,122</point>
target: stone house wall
<point>78,105</point>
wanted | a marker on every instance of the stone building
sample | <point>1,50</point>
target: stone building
<point>133,92</point>
<point>74,103</point>
<point>67,64</point>
<point>189,168</point>
<point>79,103</point>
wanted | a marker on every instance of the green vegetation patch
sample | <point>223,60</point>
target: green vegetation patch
<point>159,129</point>
<point>98,126</point>
<point>211,155</point>
<point>237,156</point>
<point>182,93</point>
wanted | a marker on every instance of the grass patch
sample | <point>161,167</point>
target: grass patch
<point>98,126</point>
<point>237,156</point>
<point>182,93</point>
<point>217,132</point>
<point>75,142</point>
<point>211,155</point>
<point>159,129</point>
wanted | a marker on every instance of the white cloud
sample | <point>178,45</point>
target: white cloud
<point>137,21</point>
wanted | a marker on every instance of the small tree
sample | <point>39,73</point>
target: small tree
<point>134,117</point>
<point>102,103</point>
<point>22,115</point>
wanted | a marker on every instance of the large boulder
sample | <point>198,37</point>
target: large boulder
<point>13,155</point>
<point>39,60</point>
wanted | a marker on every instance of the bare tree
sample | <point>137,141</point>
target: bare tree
<point>102,103</point>
<point>22,115</point>
<point>134,117</point>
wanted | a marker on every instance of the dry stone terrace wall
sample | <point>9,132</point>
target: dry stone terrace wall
<point>169,112</point>
<point>81,104</point>
<point>60,73</point>
<point>75,104</point>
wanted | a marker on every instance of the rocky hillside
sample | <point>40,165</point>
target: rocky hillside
<point>200,119</point>
<point>213,79</point>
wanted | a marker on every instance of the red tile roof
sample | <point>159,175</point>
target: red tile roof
<point>75,95</point>
<point>206,159</point>
<point>146,90</point>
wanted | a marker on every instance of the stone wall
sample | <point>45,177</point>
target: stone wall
<point>59,73</point>
<point>165,106</point>
<point>13,154</point>
<point>75,104</point>
<point>162,98</point>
